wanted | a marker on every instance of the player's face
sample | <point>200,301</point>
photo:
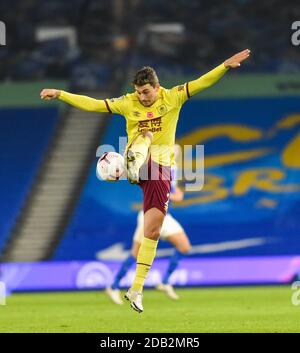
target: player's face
<point>147,94</point>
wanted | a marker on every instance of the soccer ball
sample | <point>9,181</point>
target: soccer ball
<point>110,166</point>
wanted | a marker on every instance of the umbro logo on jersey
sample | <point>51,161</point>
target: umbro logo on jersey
<point>136,113</point>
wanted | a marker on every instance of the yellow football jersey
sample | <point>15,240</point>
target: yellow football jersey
<point>160,118</point>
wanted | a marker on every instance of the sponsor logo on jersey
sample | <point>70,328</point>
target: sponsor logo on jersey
<point>153,125</point>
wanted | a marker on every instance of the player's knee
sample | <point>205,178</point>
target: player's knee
<point>186,249</point>
<point>152,233</point>
<point>134,253</point>
<point>135,248</point>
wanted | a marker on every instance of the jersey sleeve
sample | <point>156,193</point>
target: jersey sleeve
<point>83,102</point>
<point>117,105</point>
<point>180,94</point>
<point>112,105</point>
<point>207,80</point>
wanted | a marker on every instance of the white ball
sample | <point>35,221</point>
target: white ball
<point>110,166</point>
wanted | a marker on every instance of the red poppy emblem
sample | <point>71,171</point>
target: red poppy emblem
<point>150,115</point>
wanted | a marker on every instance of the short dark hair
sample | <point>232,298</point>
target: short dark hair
<point>145,75</point>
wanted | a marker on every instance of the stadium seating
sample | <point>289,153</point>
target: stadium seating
<point>223,29</point>
<point>24,137</point>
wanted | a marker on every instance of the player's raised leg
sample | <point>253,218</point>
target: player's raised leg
<point>136,155</point>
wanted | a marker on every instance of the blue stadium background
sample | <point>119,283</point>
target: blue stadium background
<point>54,211</point>
<point>24,138</point>
<point>103,216</point>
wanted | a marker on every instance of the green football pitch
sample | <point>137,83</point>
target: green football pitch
<point>222,309</point>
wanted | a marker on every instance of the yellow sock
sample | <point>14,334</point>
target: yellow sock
<point>145,259</point>
<point>141,147</point>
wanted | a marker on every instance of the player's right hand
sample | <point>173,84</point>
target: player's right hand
<point>49,93</point>
<point>235,60</point>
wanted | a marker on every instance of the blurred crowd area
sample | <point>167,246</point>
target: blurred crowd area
<point>90,41</point>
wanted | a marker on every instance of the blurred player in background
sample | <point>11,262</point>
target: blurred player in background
<point>171,231</point>
<point>151,114</point>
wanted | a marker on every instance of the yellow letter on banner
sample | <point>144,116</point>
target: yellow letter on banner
<point>291,154</point>
<point>262,179</point>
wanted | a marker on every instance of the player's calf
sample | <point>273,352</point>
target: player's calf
<point>137,155</point>
<point>133,169</point>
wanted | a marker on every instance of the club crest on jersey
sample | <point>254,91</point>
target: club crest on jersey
<point>162,109</point>
<point>150,115</point>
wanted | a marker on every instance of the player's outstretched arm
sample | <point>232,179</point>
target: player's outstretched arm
<point>214,75</point>
<point>78,101</point>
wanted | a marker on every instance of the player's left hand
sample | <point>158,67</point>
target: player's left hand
<point>235,60</point>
